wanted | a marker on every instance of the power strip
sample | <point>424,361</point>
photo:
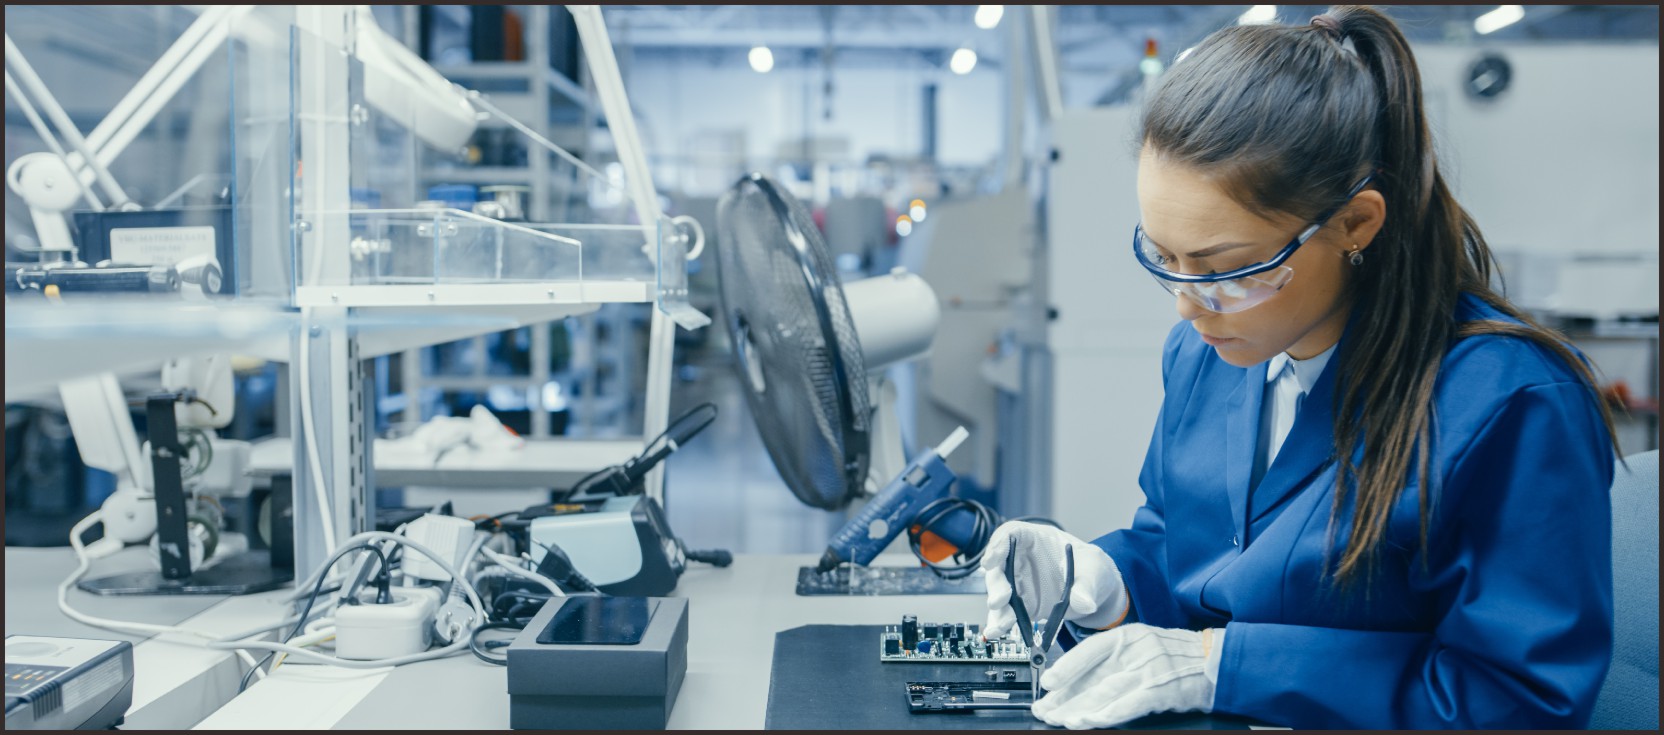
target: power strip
<point>400,628</point>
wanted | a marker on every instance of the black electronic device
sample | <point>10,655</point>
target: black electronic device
<point>599,621</point>
<point>57,683</point>
<point>169,237</point>
<point>106,278</point>
<point>938,697</point>
<point>602,682</point>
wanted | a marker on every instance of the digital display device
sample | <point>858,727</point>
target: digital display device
<point>607,621</point>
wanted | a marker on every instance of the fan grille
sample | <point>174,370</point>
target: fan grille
<point>795,346</point>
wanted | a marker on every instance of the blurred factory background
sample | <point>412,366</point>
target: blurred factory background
<point>922,136</point>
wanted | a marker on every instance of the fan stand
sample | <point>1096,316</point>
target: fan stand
<point>887,460</point>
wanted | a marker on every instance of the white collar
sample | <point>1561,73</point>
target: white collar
<point>1306,372</point>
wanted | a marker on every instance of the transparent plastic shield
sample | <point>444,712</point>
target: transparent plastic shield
<point>444,245</point>
<point>674,242</point>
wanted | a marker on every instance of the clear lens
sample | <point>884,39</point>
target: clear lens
<point>1234,295</point>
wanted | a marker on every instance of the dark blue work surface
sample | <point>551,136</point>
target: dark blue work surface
<point>828,677</point>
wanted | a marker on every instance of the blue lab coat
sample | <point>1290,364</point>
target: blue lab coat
<point>1509,626</point>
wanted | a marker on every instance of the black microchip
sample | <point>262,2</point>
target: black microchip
<point>931,631</point>
<point>892,646</point>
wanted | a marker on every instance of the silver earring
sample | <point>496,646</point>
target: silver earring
<point>1357,257</point>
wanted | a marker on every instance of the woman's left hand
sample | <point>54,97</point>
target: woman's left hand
<point>1125,673</point>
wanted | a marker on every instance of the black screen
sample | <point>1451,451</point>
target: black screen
<point>617,621</point>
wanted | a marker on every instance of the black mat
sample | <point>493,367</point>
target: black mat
<point>849,580</point>
<point>829,677</point>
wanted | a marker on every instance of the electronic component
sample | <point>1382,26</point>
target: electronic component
<point>946,643</point>
<point>936,697</point>
<point>185,239</point>
<point>598,662</point>
<point>67,683</point>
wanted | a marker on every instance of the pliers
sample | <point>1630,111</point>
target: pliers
<point>1052,623</point>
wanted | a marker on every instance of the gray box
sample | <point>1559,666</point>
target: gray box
<point>591,687</point>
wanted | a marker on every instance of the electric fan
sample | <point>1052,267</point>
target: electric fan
<point>810,353</point>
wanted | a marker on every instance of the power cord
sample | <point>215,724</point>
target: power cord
<point>383,596</point>
<point>479,648</point>
<point>966,560</point>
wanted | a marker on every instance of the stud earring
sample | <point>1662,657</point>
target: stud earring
<point>1357,257</point>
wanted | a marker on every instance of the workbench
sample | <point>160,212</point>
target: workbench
<point>733,618</point>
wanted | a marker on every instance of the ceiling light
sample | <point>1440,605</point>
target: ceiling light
<point>761,59</point>
<point>904,226</point>
<point>988,16</point>
<point>963,61</point>
<point>1502,17</point>
<point>1258,15</point>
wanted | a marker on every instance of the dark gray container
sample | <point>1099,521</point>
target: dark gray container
<point>598,687</point>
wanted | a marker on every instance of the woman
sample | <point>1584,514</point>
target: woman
<point>1377,492</point>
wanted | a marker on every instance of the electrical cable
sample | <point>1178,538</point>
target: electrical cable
<point>478,650</point>
<point>240,647</point>
<point>456,647</point>
<point>968,558</point>
<point>510,563</point>
<point>317,589</point>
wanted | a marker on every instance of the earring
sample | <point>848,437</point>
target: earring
<point>1357,257</point>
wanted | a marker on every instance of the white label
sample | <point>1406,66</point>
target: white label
<point>160,245</point>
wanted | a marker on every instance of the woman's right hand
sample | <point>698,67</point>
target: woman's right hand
<point>1098,599</point>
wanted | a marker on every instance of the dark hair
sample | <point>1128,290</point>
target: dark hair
<point>1287,118</point>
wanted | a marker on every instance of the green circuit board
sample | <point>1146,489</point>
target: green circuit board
<point>937,643</point>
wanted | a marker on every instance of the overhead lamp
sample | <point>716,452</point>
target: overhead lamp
<point>1502,17</point>
<point>1151,65</point>
<point>1258,15</point>
<point>963,61</point>
<point>915,209</point>
<point>988,16</point>
<point>904,226</point>
<point>762,59</point>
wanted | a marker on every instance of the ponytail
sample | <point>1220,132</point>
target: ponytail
<point>1330,101</point>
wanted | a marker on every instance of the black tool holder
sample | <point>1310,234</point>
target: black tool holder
<point>250,571</point>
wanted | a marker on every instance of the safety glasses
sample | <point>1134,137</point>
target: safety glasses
<point>1238,289</point>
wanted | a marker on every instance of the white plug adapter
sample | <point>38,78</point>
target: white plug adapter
<point>447,536</point>
<point>400,628</point>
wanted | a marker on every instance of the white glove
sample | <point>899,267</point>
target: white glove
<point>1120,675</point>
<point>1098,599</point>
